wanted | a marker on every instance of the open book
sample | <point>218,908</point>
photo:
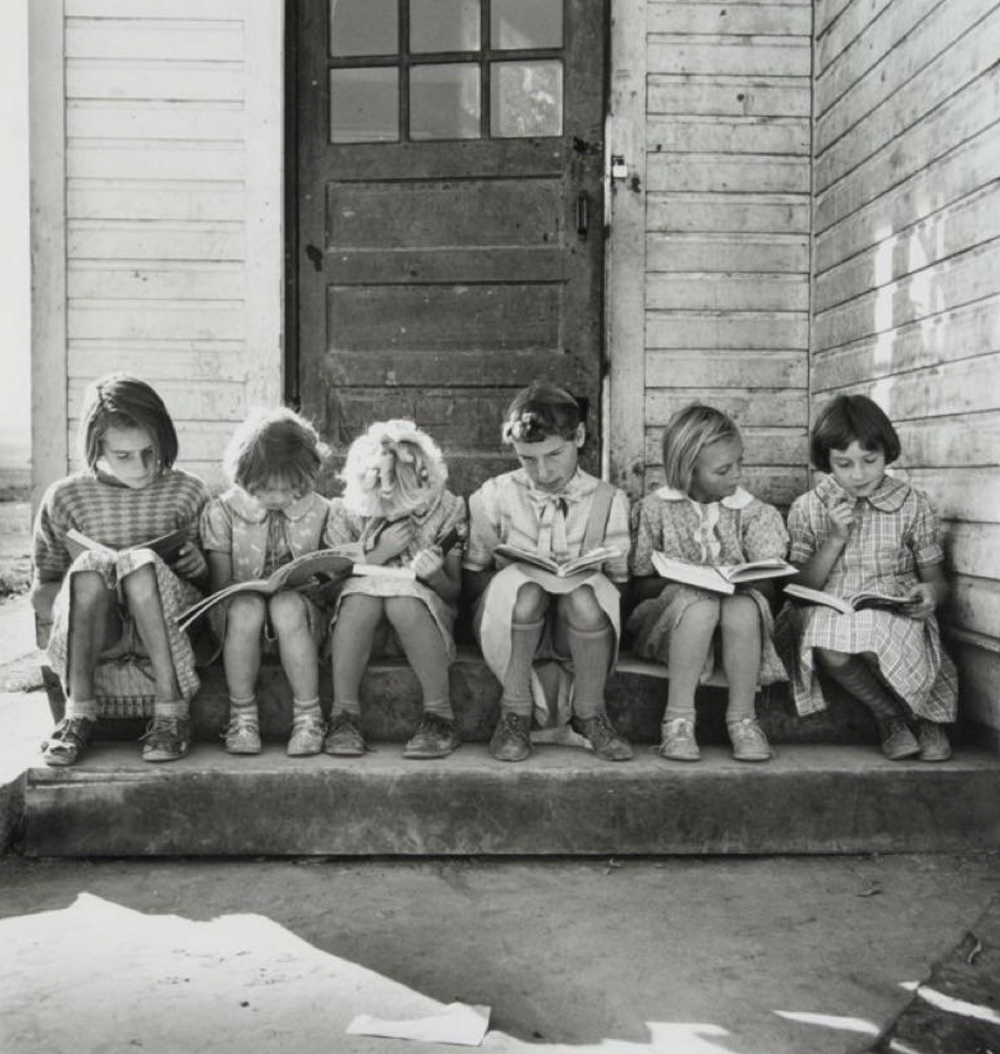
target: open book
<point>590,561</point>
<point>165,545</point>
<point>721,579</point>
<point>309,571</point>
<point>845,605</point>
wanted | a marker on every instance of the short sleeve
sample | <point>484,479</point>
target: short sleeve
<point>801,532</point>
<point>646,538</point>
<point>484,534</point>
<point>764,533</point>
<point>216,527</point>
<point>926,540</point>
<point>618,536</point>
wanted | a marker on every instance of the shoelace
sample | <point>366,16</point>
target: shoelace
<point>746,729</point>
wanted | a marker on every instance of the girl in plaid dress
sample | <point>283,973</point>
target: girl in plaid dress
<point>269,515</point>
<point>860,529</point>
<point>703,516</point>
<point>113,639</point>
<point>394,512</point>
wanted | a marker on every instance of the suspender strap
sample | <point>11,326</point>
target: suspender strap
<point>597,522</point>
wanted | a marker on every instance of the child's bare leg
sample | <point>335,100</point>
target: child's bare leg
<point>142,594</point>
<point>584,630</point>
<point>296,645</point>
<point>427,655</point>
<point>169,734</point>
<point>93,622</point>
<point>856,675</point>
<point>690,641</point>
<point>424,649</point>
<point>510,741</point>
<point>300,661</point>
<point>353,636</point>
<point>241,663</point>
<point>741,646</point>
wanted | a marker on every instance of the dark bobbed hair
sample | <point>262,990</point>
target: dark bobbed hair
<point>539,411</point>
<point>686,435</point>
<point>275,445</point>
<point>847,418</point>
<point>120,400</point>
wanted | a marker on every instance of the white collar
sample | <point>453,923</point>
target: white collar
<point>738,500</point>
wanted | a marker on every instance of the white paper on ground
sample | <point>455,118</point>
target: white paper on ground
<point>455,1023</point>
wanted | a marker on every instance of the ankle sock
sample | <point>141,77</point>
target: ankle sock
<point>346,706</point>
<point>246,708</point>
<point>81,708</point>
<point>439,708</point>
<point>179,708</point>
<point>305,708</point>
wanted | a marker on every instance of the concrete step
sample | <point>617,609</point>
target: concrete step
<point>390,706</point>
<point>810,799</point>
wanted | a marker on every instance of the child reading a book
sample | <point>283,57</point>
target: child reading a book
<point>526,615</point>
<point>113,640</point>
<point>703,516</point>
<point>860,529</point>
<point>270,515</point>
<point>396,511</point>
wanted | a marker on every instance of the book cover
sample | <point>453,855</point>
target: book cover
<point>847,605</point>
<point>309,571</point>
<point>166,545</point>
<point>590,561</point>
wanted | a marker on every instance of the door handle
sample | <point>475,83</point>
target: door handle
<point>582,214</point>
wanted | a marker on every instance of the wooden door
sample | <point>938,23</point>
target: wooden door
<point>449,228</point>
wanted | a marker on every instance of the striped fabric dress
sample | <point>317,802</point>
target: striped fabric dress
<point>101,507</point>
<point>895,532</point>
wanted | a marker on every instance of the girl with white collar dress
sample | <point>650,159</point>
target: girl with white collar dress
<point>703,516</point>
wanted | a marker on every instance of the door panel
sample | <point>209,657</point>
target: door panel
<point>449,214</point>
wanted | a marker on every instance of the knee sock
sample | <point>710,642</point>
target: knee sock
<point>302,708</point>
<point>246,708</point>
<point>524,640</point>
<point>591,653</point>
<point>81,708</point>
<point>864,684</point>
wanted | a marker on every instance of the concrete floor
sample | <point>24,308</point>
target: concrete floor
<point>685,956</point>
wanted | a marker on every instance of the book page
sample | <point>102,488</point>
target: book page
<point>701,575</point>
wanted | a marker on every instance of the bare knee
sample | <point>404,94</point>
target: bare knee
<point>739,614</point>
<point>140,586</point>
<point>89,592</point>
<point>581,609</point>
<point>245,615</point>
<point>403,611</point>
<point>360,608</point>
<point>288,613</point>
<point>702,614</point>
<point>531,604</point>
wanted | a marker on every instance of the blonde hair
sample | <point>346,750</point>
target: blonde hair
<point>686,434</point>
<point>393,465</point>
<point>275,445</point>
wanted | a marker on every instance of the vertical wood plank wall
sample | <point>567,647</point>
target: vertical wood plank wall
<point>906,252</point>
<point>161,168</point>
<point>727,255</point>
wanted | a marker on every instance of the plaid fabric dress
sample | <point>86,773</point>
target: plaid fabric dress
<point>735,530</point>
<point>118,516</point>
<point>895,532</point>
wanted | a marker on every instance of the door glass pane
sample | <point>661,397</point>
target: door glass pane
<point>364,105</point>
<point>444,25</point>
<point>526,23</point>
<point>526,99</point>
<point>444,101</point>
<point>364,27</point>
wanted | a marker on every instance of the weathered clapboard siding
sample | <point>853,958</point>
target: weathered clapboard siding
<point>172,175</point>
<point>906,256</point>
<point>728,143</point>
